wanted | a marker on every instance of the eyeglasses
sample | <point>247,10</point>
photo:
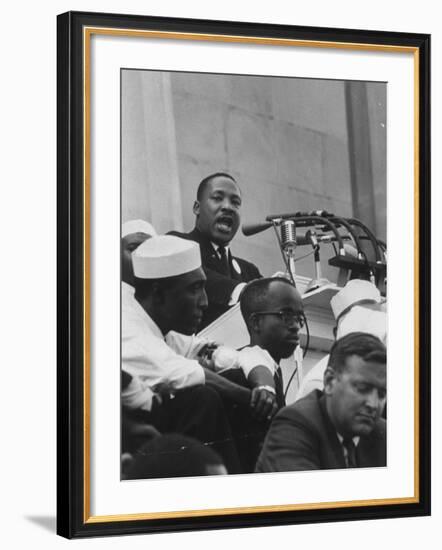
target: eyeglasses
<point>288,317</point>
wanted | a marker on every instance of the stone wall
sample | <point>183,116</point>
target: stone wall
<point>284,140</point>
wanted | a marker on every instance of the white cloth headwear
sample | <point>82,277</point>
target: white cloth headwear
<point>165,256</point>
<point>356,291</point>
<point>137,226</point>
<point>363,319</point>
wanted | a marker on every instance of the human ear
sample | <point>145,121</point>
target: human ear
<point>255,322</point>
<point>196,208</point>
<point>329,380</point>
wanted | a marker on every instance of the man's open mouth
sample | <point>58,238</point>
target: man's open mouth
<point>224,224</point>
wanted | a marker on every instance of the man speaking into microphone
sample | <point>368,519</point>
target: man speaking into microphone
<point>217,210</point>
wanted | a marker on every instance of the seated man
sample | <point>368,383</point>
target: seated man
<point>217,210</point>
<point>169,294</point>
<point>273,312</point>
<point>133,233</point>
<point>340,427</point>
<point>358,307</point>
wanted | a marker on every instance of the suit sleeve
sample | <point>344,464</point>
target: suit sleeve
<point>290,445</point>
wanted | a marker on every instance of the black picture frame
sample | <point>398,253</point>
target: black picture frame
<point>73,520</point>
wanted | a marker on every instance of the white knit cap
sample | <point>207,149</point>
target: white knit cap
<point>137,226</point>
<point>165,256</point>
<point>356,291</point>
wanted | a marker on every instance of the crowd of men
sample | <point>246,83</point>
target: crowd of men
<point>191,406</point>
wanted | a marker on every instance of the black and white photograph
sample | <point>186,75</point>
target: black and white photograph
<point>243,241</point>
<point>253,274</point>
<point>218,220</point>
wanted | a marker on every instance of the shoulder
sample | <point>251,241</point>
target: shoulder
<point>306,410</point>
<point>255,355</point>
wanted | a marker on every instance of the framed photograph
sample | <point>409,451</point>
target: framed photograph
<point>308,151</point>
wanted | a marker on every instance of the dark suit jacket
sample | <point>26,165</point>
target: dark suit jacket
<point>219,286</point>
<point>302,437</point>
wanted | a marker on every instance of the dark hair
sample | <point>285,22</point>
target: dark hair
<point>172,455</point>
<point>254,295</point>
<point>203,183</point>
<point>366,346</point>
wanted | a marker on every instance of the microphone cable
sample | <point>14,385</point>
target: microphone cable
<point>304,353</point>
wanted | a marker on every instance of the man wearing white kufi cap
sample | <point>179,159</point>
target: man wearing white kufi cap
<point>358,307</point>
<point>133,233</point>
<point>170,296</point>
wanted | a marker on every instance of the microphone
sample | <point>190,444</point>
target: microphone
<point>313,213</point>
<point>288,237</point>
<point>310,238</point>
<point>253,228</point>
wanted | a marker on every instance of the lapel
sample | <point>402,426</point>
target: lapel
<point>208,254</point>
<point>210,257</point>
<point>336,450</point>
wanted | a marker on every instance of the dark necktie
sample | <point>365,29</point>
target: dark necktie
<point>348,443</point>
<point>224,260</point>
<point>279,387</point>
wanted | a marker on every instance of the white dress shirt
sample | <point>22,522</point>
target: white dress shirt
<point>238,289</point>
<point>147,355</point>
<point>251,357</point>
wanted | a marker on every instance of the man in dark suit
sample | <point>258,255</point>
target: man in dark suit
<point>340,427</point>
<point>217,209</point>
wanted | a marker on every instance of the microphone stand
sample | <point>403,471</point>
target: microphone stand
<point>318,280</point>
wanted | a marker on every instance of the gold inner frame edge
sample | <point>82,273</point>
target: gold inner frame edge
<point>87,33</point>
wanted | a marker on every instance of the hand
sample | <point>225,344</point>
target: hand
<point>263,403</point>
<point>205,355</point>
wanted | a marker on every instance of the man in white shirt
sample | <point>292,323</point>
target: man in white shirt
<point>273,312</point>
<point>169,294</point>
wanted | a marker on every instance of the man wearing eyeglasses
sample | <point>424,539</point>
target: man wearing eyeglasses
<point>273,312</point>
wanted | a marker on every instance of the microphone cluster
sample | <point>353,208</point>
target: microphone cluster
<point>325,227</point>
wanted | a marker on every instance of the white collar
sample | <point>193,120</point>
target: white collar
<point>355,439</point>
<point>217,246</point>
